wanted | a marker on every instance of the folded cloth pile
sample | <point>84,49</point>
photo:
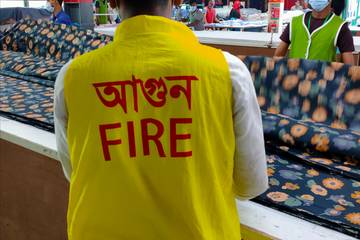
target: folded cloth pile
<point>31,56</point>
<point>311,120</point>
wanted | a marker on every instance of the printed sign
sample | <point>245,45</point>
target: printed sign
<point>276,10</point>
<point>157,92</point>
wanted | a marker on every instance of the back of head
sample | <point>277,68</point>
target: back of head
<point>143,5</point>
<point>133,8</point>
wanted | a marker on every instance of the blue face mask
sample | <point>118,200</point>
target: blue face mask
<point>49,7</point>
<point>193,8</point>
<point>319,5</point>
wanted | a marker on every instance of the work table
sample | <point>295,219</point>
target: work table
<point>231,38</point>
<point>254,217</point>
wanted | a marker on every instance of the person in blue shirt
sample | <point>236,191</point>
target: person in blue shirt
<point>180,14</point>
<point>58,14</point>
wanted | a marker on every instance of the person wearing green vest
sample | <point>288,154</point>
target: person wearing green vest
<point>102,8</point>
<point>317,35</point>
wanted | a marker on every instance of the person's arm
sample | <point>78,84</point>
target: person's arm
<point>345,43</point>
<point>216,18</point>
<point>60,119</point>
<point>283,47</point>
<point>194,23</point>
<point>198,18</point>
<point>348,58</point>
<point>250,168</point>
<point>97,10</point>
<point>184,15</point>
<point>65,19</point>
<point>97,17</point>
<point>109,11</point>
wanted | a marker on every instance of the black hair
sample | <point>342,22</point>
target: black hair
<point>60,2</point>
<point>193,1</point>
<point>140,6</point>
<point>207,2</point>
<point>338,6</point>
<point>137,7</point>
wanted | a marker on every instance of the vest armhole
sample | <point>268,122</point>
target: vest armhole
<point>65,79</point>
<point>227,60</point>
<point>338,33</point>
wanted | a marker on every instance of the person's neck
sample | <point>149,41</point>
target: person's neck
<point>323,14</point>
<point>57,9</point>
<point>156,12</point>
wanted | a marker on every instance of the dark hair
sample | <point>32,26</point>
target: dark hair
<point>193,1</point>
<point>60,2</point>
<point>135,6</point>
<point>338,6</point>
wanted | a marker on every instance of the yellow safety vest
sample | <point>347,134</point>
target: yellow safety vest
<point>151,138</point>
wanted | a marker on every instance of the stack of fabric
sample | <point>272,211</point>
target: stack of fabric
<point>311,118</point>
<point>31,55</point>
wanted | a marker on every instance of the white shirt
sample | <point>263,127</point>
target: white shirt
<point>250,171</point>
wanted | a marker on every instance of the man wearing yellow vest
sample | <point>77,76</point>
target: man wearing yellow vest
<point>316,35</point>
<point>157,134</point>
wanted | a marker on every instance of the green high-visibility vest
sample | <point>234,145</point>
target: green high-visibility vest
<point>103,9</point>
<point>320,45</point>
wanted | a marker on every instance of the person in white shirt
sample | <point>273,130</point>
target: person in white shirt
<point>250,158</point>
<point>202,142</point>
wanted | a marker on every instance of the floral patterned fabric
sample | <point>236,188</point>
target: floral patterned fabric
<point>311,120</point>
<point>26,101</point>
<point>313,142</point>
<point>309,192</point>
<point>51,41</point>
<point>327,93</point>
<point>31,55</point>
<point>28,67</point>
